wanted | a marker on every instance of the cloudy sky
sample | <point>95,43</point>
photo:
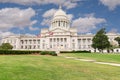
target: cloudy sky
<point>29,16</point>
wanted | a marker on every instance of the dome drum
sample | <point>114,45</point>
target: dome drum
<point>60,20</point>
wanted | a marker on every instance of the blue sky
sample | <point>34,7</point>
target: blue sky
<point>29,16</point>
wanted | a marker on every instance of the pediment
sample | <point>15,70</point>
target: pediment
<point>59,30</point>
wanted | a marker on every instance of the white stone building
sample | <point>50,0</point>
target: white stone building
<point>60,36</point>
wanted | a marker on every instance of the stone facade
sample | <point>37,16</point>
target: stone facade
<point>60,36</point>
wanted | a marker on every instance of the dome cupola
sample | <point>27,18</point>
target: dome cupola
<point>60,12</point>
<point>60,20</point>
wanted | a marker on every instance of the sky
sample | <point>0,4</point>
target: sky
<point>30,16</point>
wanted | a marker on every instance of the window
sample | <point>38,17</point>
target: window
<point>59,23</point>
<point>89,40</point>
<point>73,45</point>
<point>30,41</point>
<point>57,39</point>
<point>34,41</point>
<point>73,40</point>
<point>21,47</point>
<point>34,47</point>
<point>38,46</point>
<point>22,41</point>
<point>30,47</point>
<point>26,41</point>
<point>43,46</point>
<point>54,40</point>
<point>50,39</point>
<point>38,41</point>
<point>65,39</point>
<point>50,46</point>
<point>64,23</point>
<point>25,47</point>
<point>84,40</point>
<point>43,40</point>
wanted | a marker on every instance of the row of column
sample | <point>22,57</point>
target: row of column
<point>9,41</point>
<point>30,47</point>
<point>85,41</point>
<point>30,41</point>
<point>58,43</point>
<point>58,40</point>
<point>63,24</point>
<point>84,46</point>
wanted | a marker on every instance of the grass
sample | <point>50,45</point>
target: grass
<point>35,67</point>
<point>115,58</point>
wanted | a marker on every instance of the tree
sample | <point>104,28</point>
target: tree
<point>100,40</point>
<point>118,40</point>
<point>6,46</point>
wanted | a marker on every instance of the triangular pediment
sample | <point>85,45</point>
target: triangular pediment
<point>59,30</point>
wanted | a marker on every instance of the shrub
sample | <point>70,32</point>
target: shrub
<point>17,52</point>
<point>48,53</point>
<point>44,53</point>
<point>53,53</point>
<point>75,51</point>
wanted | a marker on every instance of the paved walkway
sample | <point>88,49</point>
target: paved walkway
<point>94,61</point>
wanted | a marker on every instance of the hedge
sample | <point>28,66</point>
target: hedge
<point>75,51</point>
<point>53,53</point>
<point>19,52</point>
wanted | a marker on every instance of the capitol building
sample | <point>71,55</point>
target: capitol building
<point>59,36</point>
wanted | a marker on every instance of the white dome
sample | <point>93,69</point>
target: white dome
<point>60,12</point>
<point>60,20</point>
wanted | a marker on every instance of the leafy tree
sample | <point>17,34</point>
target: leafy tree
<point>118,40</point>
<point>6,46</point>
<point>100,40</point>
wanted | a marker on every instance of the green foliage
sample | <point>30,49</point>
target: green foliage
<point>17,52</point>
<point>53,53</point>
<point>100,40</point>
<point>44,53</point>
<point>6,46</point>
<point>75,51</point>
<point>118,40</point>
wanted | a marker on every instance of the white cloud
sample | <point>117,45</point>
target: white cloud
<point>33,29</point>
<point>111,4</point>
<point>88,23</point>
<point>70,16</point>
<point>46,22</point>
<point>15,17</point>
<point>48,15</point>
<point>70,5</point>
<point>5,34</point>
<point>66,3</point>
<point>27,34</point>
<point>113,30</point>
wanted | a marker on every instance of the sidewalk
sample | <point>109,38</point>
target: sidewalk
<point>94,61</point>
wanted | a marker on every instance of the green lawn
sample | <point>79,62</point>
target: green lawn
<point>115,58</point>
<point>35,67</point>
